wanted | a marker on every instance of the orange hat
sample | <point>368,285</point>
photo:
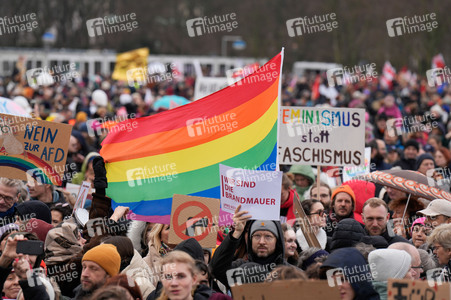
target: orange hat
<point>106,256</point>
<point>344,189</point>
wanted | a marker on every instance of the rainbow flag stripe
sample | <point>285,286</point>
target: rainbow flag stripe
<point>179,151</point>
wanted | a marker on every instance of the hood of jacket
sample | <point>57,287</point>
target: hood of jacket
<point>354,265</point>
<point>278,255</point>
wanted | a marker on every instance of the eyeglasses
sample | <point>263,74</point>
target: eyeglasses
<point>319,212</point>
<point>267,237</point>
<point>6,198</point>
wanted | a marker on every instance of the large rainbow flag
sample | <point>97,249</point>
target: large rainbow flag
<point>179,151</point>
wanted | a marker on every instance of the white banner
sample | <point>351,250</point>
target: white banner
<point>208,85</point>
<point>257,191</point>
<point>322,136</point>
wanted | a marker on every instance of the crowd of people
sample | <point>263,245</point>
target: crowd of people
<point>47,253</point>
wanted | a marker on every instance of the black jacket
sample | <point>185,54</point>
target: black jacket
<point>406,164</point>
<point>223,261</point>
<point>348,233</point>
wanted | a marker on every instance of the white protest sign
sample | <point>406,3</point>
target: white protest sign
<point>208,85</point>
<point>257,191</point>
<point>82,195</point>
<point>350,171</point>
<point>322,136</point>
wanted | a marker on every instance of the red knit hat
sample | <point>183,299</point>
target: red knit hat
<point>344,189</point>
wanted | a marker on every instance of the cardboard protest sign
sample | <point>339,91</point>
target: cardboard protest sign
<point>257,191</point>
<point>304,223</point>
<point>194,217</point>
<point>417,290</point>
<point>31,148</point>
<point>321,136</point>
<point>350,171</point>
<point>287,290</point>
<point>208,85</point>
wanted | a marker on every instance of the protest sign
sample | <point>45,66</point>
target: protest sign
<point>287,290</point>
<point>83,193</point>
<point>417,290</point>
<point>208,85</point>
<point>33,148</point>
<point>257,191</point>
<point>321,136</point>
<point>194,217</point>
<point>350,171</point>
<point>129,61</point>
<point>304,223</point>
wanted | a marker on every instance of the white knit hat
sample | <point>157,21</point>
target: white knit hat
<point>389,263</point>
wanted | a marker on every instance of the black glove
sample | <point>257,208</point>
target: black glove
<point>100,180</point>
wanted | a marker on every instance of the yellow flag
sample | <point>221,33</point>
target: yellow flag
<point>130,60</point>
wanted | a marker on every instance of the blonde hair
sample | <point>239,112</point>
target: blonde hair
<point>441,235</point>
<point>155,236</point>
<point>178,256</point>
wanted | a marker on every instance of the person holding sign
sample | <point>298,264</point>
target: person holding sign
<point>265,248</point>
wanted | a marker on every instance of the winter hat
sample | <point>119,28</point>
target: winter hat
<point>192,247</point>
<point>106,256</point>
<point>389,263</point>
<point>264,225</point>
<point>34,209</point>
<point>306,263</point>
<point>421,158</point>
<point>412,143</point>
<point>344,189</point>
<point>419,221</point>
<point>39,227</point>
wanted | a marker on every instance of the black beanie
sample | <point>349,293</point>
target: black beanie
<point>421,158</point>
<point>192,247</point>
<point>34,209</point>
<point>412,143</point>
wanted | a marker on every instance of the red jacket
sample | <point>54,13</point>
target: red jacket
<point>287,208</point>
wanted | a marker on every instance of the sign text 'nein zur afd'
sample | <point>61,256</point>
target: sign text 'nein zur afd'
<point>322,136</point>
